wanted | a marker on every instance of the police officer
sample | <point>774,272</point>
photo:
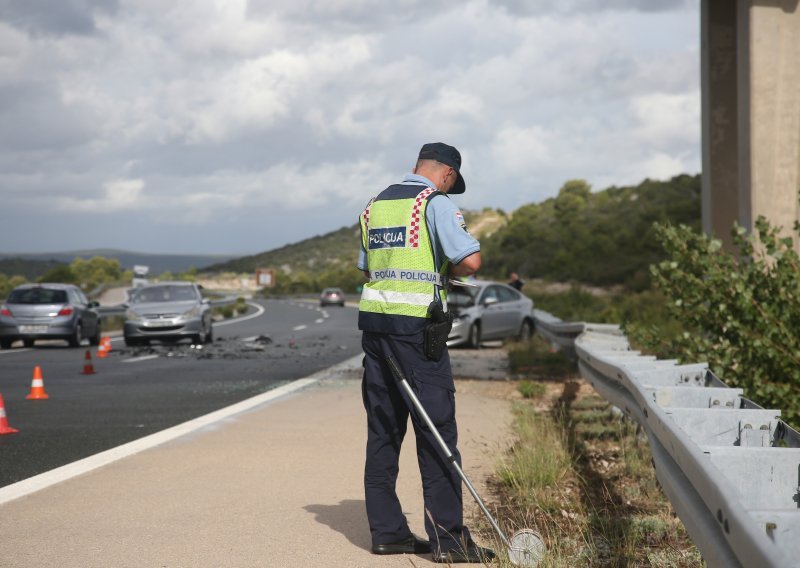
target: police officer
<point>412,239</point>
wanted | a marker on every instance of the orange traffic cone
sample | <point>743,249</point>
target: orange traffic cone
<point>4,427</point>
<point>104,348</point>
<point>88,367</point>
<point>37,386</point>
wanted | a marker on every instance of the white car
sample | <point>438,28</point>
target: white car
<point>488,310</point>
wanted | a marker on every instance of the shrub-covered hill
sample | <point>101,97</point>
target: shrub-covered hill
<point>602,238</point>
<point>29,269</point>
<point>332,250</point>
<point>318,253</point>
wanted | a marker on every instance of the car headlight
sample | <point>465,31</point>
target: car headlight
<point>193,313</point>
<point>130,315</point>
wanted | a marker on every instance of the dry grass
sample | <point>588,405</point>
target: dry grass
<point>581,475</point>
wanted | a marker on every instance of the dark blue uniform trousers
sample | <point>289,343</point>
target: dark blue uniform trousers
<point>388,410</point>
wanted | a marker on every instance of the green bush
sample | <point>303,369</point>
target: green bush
<point>529,389</point>
<point>7,284</point>
<point>595,237</point>
<point>740,313</point>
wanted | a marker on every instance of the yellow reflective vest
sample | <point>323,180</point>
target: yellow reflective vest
<point>403,277</point>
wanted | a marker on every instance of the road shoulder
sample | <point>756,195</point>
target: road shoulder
<point>279,485</point>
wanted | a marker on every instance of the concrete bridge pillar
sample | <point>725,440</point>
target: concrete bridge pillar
<point>751,113</point>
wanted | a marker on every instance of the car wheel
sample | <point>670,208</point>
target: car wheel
<point>131,342</point>
<point>210,334</point>
<point>525,331</point>
<point>77,336</point>
<point>95,339</point>
<point>6,343</point>
<point>474,337</point>
<point>28,342</point>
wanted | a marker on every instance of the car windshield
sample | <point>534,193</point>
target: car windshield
<point>37,296</point>
<point>462,298</point>
<point>164,294</point>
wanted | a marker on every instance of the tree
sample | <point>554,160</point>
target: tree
<point>740,313</point>
<point>7,284</point>
<point>98,270</point>
<point>62,273</point>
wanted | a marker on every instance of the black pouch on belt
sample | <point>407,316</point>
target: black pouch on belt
<point>437,331</point>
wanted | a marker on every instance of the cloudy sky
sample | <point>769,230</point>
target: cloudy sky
<point>236,126</point>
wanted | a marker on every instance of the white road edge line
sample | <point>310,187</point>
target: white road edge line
<point>15,350</point>
<point>259,310</point>
<point>142,358</point>
<point>65,472</point>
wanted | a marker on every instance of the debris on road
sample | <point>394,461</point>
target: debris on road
<point>260,346</point>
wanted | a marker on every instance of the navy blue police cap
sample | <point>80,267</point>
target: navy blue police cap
<point>448,156</point>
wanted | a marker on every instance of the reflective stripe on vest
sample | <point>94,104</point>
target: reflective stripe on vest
<point>390,296</point>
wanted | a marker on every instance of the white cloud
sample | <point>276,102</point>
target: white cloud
<point>657,165</point>
<point>208,114</point>
<point>118,195</point>
<point>522,150</point>
<point>666,118</point>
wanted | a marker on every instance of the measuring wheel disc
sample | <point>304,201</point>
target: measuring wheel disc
<point>527,548</point>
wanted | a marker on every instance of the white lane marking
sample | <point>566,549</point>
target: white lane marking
<point>320,320</point>
<point>299,327</point>
<point>80,467</point>
<point>142,358</point>
<point>15,350</point>
<point>325,314</point>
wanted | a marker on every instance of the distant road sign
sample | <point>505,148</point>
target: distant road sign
<point>265,277</point>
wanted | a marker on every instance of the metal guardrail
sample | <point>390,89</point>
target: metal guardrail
<point>730,468</point>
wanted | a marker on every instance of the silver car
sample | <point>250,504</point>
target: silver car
<point>488,310</point>
<point>168,311</point>
<point>48,311</point>
<point>331,296</point>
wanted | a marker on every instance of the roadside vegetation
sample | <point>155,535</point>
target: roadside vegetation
<point>239,307</point>
<point>580,474</point>
<point>739,312</point>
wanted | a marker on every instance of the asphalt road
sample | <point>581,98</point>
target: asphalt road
<point>137,392</point>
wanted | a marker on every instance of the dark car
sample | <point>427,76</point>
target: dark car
<point>488,310</point>
<point>48,311</point>
<point>331,296</point>
<point>168,311</point>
